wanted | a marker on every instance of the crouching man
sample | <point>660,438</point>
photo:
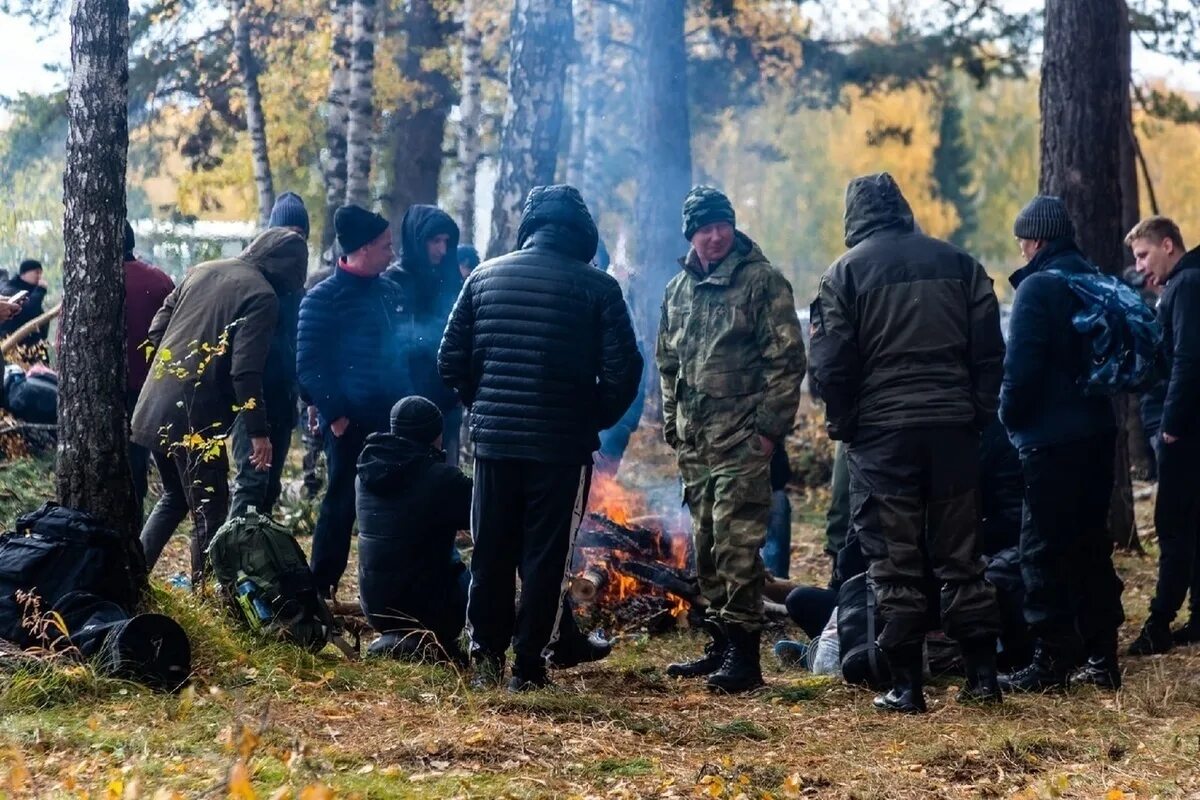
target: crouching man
<point>731,357</point>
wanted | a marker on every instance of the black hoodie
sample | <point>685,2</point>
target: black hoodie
<point>906,328</point>
<point>410,506</point>
<point>429,292</point>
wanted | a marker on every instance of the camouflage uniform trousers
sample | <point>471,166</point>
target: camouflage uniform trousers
<point>729,496</point>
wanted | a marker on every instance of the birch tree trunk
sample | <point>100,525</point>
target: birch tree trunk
<point>418,128</point>
<point>256,124</point>
<point>1085,108</point>
<point>595,185</point>
<point>361,122</point>
<point>333,163</point>
<point>92,467</point>
<point>541,38</point>
<point>469,120</point>
<point>664,132</point>
<point>577,74</point>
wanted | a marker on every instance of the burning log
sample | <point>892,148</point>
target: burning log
<point>663,577</point>
<point>586,587</point>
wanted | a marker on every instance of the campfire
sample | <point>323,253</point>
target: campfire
<point>632,563</point>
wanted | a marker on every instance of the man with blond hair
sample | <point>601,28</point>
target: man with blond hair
<point>1158,248</point>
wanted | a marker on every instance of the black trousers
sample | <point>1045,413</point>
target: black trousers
<point>1072,591</point>
<point>331,538</point>
<point>1177,518</point>
<point>524,518</point>
<point>914,508</point>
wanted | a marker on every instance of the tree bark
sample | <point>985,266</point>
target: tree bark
<point>542,35</point>
<point>664,132</point>
<point>598,132</point>
<point>577,76</point>
<point>469,120</point>
<point>333,163</point>
<point>418,127</point>
<point>361,122</point>
<point>1085,110</point>
<point>256,123</point>
<point>93,468</point>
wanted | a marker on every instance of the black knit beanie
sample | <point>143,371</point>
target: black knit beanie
<point>705,205</point>
<point>29,265</point>
<point>356,227</point>
<point>1044,219</point>
<point>416,419</point>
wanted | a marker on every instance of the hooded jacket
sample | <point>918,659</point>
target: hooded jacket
<point>1042,401</point>
<point>905,328</point>
<point>540,345</point>
<point>730,352</point>
<point>410,506</point>
<point>211,338</point>
<point>430,292</point>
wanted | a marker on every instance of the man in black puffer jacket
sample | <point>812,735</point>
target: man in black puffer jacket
<point>1066,440</point>
<point>1157,244</point>
<point>541,349</point>
<point>906,353</point>
<point>428,274</point>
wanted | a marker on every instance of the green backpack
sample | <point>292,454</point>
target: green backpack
<point>265,577</point>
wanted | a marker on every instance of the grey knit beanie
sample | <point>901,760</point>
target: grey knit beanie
<point>705,205</point>
<point>1044,219</point>
<point>416,419</point>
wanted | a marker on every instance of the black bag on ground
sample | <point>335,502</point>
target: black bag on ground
<point>150,649</point>
<point>858,625</point>
<point>55,551</point>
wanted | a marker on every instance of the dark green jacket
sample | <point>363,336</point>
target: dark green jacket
<point>905,328</point>
<point>211,337</point>
<point>730,352</point>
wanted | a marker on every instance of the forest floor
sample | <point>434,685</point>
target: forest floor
<point>270,722</point>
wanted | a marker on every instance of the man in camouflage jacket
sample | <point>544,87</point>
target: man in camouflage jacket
<point>731,358</point>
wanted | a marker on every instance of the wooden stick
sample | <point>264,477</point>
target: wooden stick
<point>10,344</point>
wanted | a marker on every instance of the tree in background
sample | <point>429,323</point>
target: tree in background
<point>93,469</point>
<point>952,173</point>
<point>542,37</point>
<point>256,125</point>
<point>470,118</point>
<point>360,127</point>
<point>1085,111</point>
<point>337,115</point>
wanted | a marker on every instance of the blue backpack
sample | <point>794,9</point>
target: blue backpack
<point>1124,339</point>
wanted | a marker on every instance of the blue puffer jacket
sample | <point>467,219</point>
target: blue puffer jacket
<point>1042,400</point>
<point>352,349</point>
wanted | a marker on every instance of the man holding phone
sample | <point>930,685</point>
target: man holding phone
<point>28,292</point>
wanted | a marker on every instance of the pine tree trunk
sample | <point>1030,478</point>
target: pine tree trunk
<point>469,120</point>
<point>333,163</point>
<point>665,134</point>
<point>93,466</point>
<point>540,41</point>
<point>1085,107</point>
<point>256,124</point>
<point>361,124</point>
<point>418,127</point>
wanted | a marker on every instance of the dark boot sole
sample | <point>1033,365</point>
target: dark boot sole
<point>717,688</point>
<point>888,708</point>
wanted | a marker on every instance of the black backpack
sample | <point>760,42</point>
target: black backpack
<point>55,551</point>
<point>858,625</point>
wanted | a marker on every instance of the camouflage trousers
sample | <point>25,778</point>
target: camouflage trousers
<point>729,496</point>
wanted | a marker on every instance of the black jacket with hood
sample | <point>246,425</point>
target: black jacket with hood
<point>905,327</point>
<point>540,345</point>
<point>430,292</point>
<point>410,505</point>
<point>1179,313</point>
<point>213,333</point>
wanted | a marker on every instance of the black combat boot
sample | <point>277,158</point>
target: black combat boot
<point>741,669</point>
<point>710,662</point>
<point>1155,638</point>
<point>489,671</point>
<point>983,684</point>
<point>1188,633</point>
<point>1047,672</point>
<point>907,694</point>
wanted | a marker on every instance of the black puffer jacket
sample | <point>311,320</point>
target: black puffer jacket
<point>410,505</point>
<point>540,345</point>
<point>430,292</point>
<point>905,328</point>
<point>1179,313</point>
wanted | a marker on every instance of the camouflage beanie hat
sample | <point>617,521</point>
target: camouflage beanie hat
<point>705,205</point>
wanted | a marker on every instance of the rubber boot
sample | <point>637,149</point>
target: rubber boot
<point>1047,672</point>
<point>710,661</point>
<point>1155,638</point>
<point>907,694</point>
<point>983,684</point>
<point>741,670</point>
